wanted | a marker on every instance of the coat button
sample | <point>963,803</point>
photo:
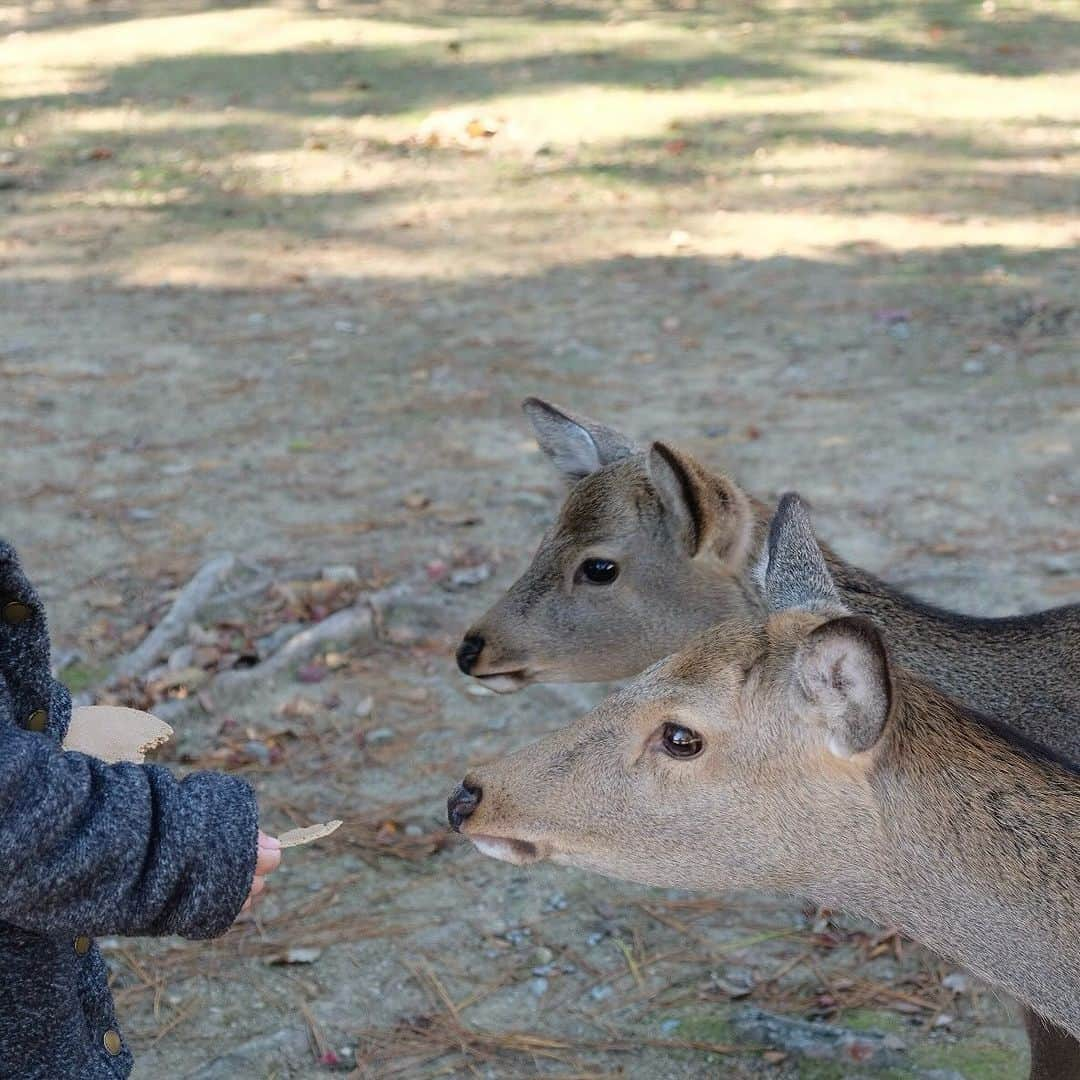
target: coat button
<point>82,945</point>
<point>15,612</point>
<point>112,1042</point>
<point>37,721</point>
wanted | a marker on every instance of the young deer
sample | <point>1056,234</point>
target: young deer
<point>789,752</point>
<point>650,548</point>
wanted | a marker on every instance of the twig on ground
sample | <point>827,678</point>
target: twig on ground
<point>173,626</point>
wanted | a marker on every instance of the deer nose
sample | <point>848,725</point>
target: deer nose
<point>469,652</point>
<point>463,801</point>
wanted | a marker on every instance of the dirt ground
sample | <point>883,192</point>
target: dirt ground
<point>274,279</point>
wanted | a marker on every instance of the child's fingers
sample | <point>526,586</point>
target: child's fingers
<point>257,886</point>
<point>268,860</point>
<point>269,854</point>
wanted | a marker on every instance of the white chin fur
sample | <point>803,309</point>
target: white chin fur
<point>495,847</point>
<point>503,684</point>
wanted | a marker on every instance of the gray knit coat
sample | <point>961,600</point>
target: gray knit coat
<point>88,848</point>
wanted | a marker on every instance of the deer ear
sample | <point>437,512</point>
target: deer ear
<point>706,510</point>
<point>843,668</point>
<point>576,445</point>
<point>792,571</point>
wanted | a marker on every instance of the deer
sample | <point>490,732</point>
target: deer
<point>651,547</point>
<point>789,750</point>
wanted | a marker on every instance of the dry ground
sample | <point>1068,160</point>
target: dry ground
<point>273,280</point>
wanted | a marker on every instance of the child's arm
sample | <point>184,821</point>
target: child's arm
<point>92,848</point>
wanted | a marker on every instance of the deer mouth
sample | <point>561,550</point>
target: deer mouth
<point>508,849</point>
<point>506,682</point>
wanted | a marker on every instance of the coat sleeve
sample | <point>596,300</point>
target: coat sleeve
<point>124,849</point>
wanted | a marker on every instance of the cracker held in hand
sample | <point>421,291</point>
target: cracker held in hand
<point>113,733</point>
<point>307,835</point>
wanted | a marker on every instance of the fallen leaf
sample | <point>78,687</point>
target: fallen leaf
<point>299,708</point>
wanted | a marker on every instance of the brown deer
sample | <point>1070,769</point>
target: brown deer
<point>789,751</point>
<point>650,548</point>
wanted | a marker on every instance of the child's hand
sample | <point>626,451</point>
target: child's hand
<point>268,861</point>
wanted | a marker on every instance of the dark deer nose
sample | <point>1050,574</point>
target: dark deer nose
<point>461,804</point>
<point>469,652</point>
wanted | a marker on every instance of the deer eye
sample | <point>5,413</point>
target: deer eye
<point>600,571</point>
<point>681,742</point>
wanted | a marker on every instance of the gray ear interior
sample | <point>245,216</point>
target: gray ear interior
<point>792,572</point>
<point>844,668</point>
<point>677,493</point>
<point>576,446</point>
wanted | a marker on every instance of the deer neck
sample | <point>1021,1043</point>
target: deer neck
<point>982,854</point>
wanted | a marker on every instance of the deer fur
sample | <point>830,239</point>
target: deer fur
<point>686,540</point>
<point>829,771</point>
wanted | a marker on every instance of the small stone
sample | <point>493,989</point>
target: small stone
<point>1060,564</point>
<point>475,689</point>
<point>943,1020</point>
<point>600,993</point>
<point>259,751</point>
<point>669,1027</point>
<point>344,575</point>
<point>973,367</point>
<point>956,981</point>
<point>538,987</point>
<point>542,970</point>
<point>470,576</point>
<point>380,734</point>
<point>364,707</point>
<point>140,513</point>
<point>413,830</point>
<point>544,955</point>
<point>344,326</point>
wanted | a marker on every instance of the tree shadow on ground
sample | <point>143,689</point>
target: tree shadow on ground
<point>384,81</point>
<point>962,36</point>
<point>715,162</point>
<point>919,171</point>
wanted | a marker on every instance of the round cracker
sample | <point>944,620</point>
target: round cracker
<point>308,835</point>
<point>113,733</point>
